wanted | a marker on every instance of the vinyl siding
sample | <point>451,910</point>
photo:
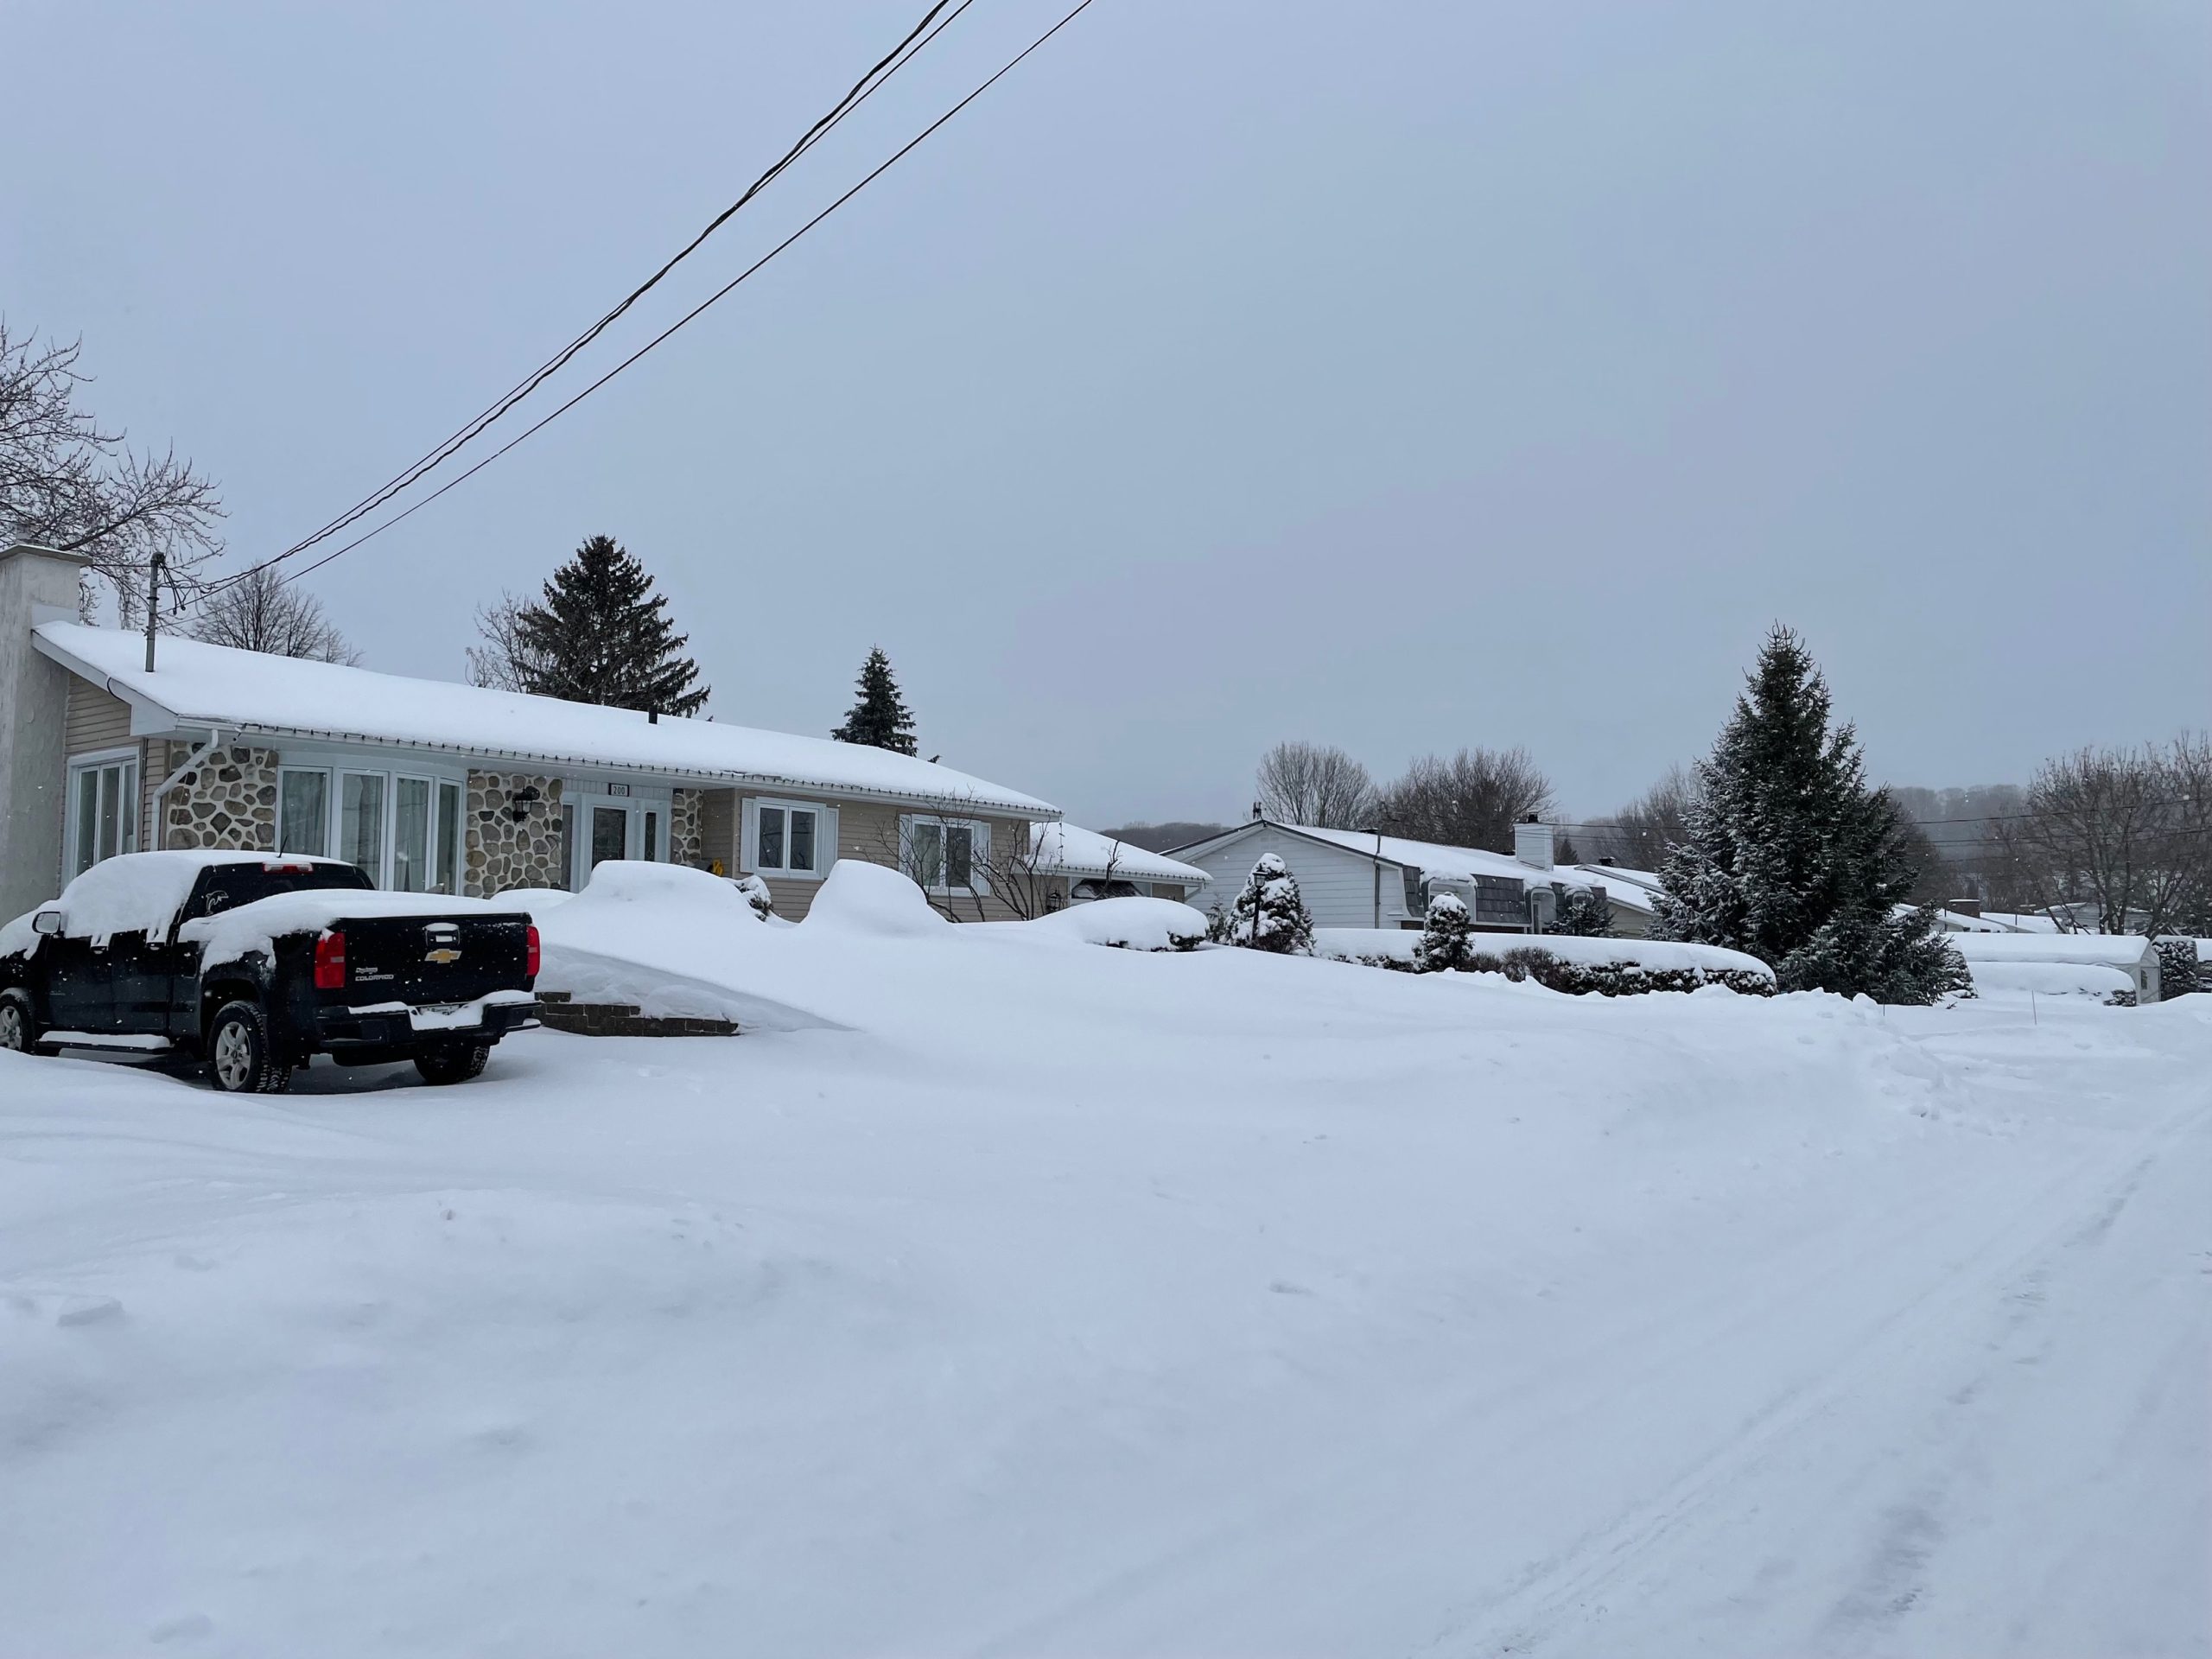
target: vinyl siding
<point>96,719</point>
<point>1336,884</point>
<point>868,831</point>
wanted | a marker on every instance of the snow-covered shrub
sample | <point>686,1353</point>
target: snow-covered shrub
<point>757,895</point>
<point>1271,915</point>
<point>1447,939</point>
<point>1585,913</point>
<point>2179,972</point>
<point>1132,923</point>
<point>1529,961</point>
<point>862,898</point>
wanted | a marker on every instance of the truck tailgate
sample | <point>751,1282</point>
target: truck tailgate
<point>434,959</point>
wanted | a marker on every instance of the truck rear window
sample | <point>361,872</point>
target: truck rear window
<point>228,885</point>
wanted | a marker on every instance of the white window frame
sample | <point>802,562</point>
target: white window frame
<point>826,838</point>
<point>129,809</point>
<point>979,853</point>
<point>333,773</point>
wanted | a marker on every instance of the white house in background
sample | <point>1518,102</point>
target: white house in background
<point>1354,878</point>
<point>1084,865</point>
<point>2132,954</point>
<point>431,786</point>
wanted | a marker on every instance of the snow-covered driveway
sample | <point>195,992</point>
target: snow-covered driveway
<point>1132,1305</point>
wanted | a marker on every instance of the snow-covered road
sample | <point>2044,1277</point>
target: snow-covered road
<point>1229,1306</point>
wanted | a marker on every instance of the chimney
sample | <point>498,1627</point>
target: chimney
<point>36,585</point>
<point>1257,813</point>
<point>1532,842</point>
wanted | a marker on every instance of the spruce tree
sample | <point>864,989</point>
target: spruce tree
<point>1448,936</point>
<point>1584,912</point>
<point>1791,857</point>
<point>600,634</point>
<point>1269,914</point>
<point>880,719</point>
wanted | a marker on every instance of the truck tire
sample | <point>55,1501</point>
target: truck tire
<point>453,1062</point>
<point>240,1060</point>
<point>18,1025</point>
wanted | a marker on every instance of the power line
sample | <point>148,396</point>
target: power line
<point>927,29</point>
<point>878,172</point>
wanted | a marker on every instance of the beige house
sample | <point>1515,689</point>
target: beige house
<point>436,787</point>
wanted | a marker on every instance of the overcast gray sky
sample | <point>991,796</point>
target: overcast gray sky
<point>1397,376</point>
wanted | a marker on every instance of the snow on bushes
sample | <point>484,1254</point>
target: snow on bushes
<point>1135,923</point>
<point>2180,973</point>
<point>1576,966</point>
<point>1447,939</point>
<point>1269,914</point>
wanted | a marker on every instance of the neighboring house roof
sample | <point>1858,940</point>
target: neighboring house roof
<point>195,685</point>
<point>1068,849</point>
<point>1647,880</point>
<point>1441,864</point>
<point>2114,949</point>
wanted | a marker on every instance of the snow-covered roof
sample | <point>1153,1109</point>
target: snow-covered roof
<point>195,686</point>
<point>2117,950</point>
<point>1648,880</point>
<point>1441,864</point>
<point>1070,849</point>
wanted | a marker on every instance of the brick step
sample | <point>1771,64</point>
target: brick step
<point>558,1012</point>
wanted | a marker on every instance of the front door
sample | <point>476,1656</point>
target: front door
<point>610,835</point>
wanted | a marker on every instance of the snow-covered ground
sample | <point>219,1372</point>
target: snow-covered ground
<point>1032,1298</point>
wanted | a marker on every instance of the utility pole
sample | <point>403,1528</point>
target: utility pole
<point>153,603</point>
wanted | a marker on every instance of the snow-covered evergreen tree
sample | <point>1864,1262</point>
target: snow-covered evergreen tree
<point>880,719</point>
<point>1448,936</point>
<point>1269,914</point>
<point>600,634</point>
<point>1584,912</point>
<point>1791,857</point>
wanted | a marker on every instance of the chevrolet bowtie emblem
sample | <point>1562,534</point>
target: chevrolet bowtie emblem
<point>442,956</point>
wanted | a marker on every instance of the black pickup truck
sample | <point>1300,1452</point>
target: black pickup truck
<point>252,962</point>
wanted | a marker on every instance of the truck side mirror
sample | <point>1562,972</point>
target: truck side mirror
<point>46,921</point>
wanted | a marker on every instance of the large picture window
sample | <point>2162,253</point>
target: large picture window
<point>407,832</point>
<point>103,810</point>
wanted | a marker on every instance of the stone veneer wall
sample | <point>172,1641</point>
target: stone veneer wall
<point>686,830</point>
<point>504,852</point>
<point>227,803</point>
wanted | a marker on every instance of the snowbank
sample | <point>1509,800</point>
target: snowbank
<point>1086,1301</point>
<point>2110,985</point>
<point>1130,924</point>
<point>862,898</point>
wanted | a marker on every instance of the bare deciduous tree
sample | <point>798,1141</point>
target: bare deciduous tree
<point>66,482</point>
<point>505,661</point>
<point>1473,799</point>
<point>2118,839</point>
<point>1313,784</point>
<point>963,874</point>
<point>261,612</point>
<point>1640,834</point>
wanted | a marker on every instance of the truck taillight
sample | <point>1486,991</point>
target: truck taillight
<point>330,962</point>
<point>531,968</point>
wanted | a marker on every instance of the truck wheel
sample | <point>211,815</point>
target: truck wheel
<point>453,1063</point>
<point>240,1059</point>
<point>18,1025</point>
